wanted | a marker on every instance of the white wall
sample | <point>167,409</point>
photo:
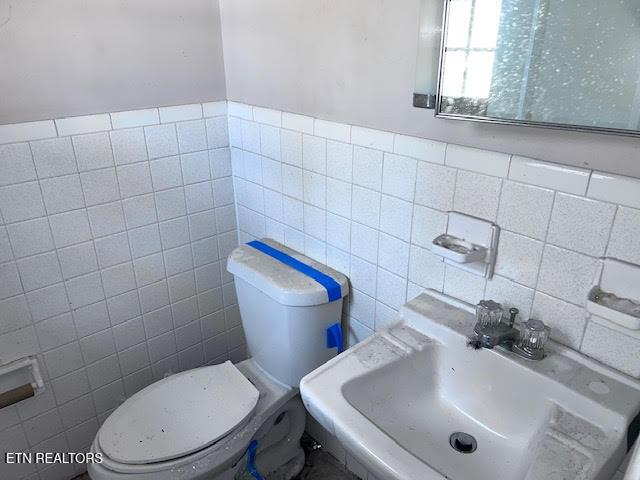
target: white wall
<point>354,62</point>
<point>113,240</point>
<point>77,57</point>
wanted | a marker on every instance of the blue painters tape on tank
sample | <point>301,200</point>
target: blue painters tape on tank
<point>251,460</point>
<point>334,337</point>
<point>333,288</point>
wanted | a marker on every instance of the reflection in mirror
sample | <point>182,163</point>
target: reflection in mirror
<point>563,63</point>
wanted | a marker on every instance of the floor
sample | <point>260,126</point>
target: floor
<point>320,466</point>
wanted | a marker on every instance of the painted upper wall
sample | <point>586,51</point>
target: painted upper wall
<point>78,57</point>
<point>354,62</point>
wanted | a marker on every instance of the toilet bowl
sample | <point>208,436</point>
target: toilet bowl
<point>199,423</point>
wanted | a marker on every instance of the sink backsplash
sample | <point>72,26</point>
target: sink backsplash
<point>369,203</point>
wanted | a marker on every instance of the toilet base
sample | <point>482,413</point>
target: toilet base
<point>277,424</point>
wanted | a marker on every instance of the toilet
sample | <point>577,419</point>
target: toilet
<point>225,421</point>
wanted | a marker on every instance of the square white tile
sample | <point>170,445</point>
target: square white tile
<point>525,209</point>
<point>217,135</point>
<point>340,160</point>
<point>10,280</point>
<point>134,179</point>
<point>62,194</point>
<point>161,140</point>
<point>30,237</point>
<point>314,154</point>
<point>364,242</point>
<point>35,272</point>
<point>100,186</point>
<point>365,206</point>
<point>427,225</point>
<point>315,189</point>
<point>54,157</point>
<point>291,147</point>
<point>391,290</point>
<point>393,255</point>
<point>339,232</point>
<point>566,275</point>
<point>166,173</point>
<point>118,279</point>
<point>192,136</point>
<point>270,142</point>
<point>425,268</point>
<point>519,258</point>
<point>93,151</point>
<point>85,290</point>
<point>367,167</point>
<point>112,250</point>
<point>399,176</point>
<point>16,164</point>
<point>339,197</point>
<point>581,224</point>
<point>435,186</point>
<point>139,211</point>
<point>105,219</point>
<point>396,217</point>
<point>128,145</point>
<point>170,204</point>
<point>21,202</point>
<point>625,236</point>
<point>72,227</point>
<point>144,240</point>
<point>477,195</point>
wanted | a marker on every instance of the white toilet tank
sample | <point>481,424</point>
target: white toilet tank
<point>285,313</point>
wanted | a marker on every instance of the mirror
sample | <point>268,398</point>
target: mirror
<point>571,64</point>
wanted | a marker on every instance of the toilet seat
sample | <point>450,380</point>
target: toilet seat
<point>178,415</point>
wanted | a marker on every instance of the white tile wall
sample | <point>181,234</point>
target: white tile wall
<point>121,279</point>
<point>369,204</point>
<point>113,236</point>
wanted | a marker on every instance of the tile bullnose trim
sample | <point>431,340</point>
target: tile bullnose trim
<point>135,118</point>
<point>550,175</point>
<point>615,188</point>
<point>82,124</point>
<point>477,160</point>
<point>214,108</point>
<point>179,113</point>
<point>26,131</point>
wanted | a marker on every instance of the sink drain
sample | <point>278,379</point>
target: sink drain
<point>463,442</point>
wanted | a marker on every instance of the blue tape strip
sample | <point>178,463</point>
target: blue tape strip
<point>334,337</point>
<point>333,288</point>
<point>251,460</point>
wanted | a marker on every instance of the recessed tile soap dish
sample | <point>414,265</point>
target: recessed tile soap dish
<point>457,249</point>
<point>615,295</point>
<point>469,243</point>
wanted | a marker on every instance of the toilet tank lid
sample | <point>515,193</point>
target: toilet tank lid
<point>285,284</point>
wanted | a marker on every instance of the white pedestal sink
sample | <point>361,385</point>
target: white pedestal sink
<point>395,400</point>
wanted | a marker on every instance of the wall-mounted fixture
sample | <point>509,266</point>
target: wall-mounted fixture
<point>19,380</point>
<point>428,60</point>
<point>615,296</point>
<point>469,243</point>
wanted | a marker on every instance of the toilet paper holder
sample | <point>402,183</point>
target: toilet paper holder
<point>19,380</point>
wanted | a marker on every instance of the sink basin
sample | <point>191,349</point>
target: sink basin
<point>414,402</point>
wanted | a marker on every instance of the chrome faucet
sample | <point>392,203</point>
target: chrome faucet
<point>492,330</point>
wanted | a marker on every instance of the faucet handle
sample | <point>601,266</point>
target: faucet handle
<point>488,314</point>
<point>533,337</point>
<point>513,313</point>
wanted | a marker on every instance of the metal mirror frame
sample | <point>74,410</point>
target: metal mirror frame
<point>502,121</point>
